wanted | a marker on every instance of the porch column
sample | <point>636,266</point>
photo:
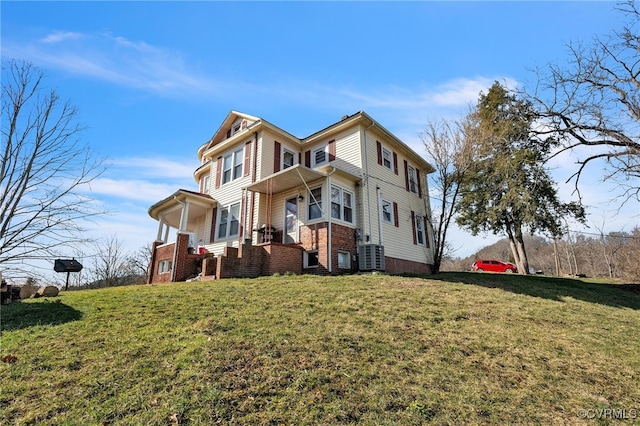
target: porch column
<point>160,226</point>
<point>184,216</point>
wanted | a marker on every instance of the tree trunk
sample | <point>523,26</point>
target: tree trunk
<point>523,265</point>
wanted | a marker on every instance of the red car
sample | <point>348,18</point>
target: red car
<point>493,266</point>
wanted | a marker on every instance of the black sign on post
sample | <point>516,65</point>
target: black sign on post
<point>68,266</point>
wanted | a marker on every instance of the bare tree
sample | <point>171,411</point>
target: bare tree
<point>109,263</point>
<point>593,106</point>
<point>43,171</point>
<point>139,261</point>
<point>444,143</point>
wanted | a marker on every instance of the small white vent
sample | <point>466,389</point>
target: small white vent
<point>371,257</point>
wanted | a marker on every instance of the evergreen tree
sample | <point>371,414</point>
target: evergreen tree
<point>507,189</point>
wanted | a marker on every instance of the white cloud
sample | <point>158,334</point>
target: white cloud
<point>158,167</point>
<point>139,190</point>
<point>60,36</point>
<point>115,59</point>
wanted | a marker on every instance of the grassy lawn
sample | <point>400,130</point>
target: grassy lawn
<point>457,348</point>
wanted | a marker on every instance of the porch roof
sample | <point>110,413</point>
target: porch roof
<point>286,179</point>
<point>171,207</point>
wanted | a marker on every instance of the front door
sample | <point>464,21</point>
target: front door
<point>290,234</point>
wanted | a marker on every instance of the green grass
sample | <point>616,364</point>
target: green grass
<point>457,348</point>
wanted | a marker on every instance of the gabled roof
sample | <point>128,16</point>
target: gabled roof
<point>231,118</point>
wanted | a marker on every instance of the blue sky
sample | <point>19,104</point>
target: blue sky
<point>154,80</point>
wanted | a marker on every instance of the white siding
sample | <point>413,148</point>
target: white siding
<point>398,241</point>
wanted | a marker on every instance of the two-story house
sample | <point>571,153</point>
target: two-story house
<point>350,197</point>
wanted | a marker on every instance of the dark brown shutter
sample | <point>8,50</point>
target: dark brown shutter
<point>307,158</point>
<point>413,227</point>
<point>332,150</point>
<point>277,149</point>
<point>214,216</point>
<point>396,219</point>
<point>228,133</point>
<point>247,158</point>
<point>395,163</point>
<point>218,171</point>
<point>426,233</point>
<point>419,186</point>
<point>406,175</point>
<point>379,149</point>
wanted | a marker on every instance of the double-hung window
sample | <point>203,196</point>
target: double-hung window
<point>413,180</point>
<point>386,158</point>
<point>420,236</point>
<point>315,204</point>
<point>341,204</point>
<point>229,224</point>
<point>387,211</point>
<point>232,166</point>
<point>288,159</point>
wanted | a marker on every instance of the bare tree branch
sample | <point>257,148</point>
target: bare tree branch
<point>45,170</point>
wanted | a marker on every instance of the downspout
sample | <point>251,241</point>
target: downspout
<point>329,251</point>
<point>253,180</point>
<point>366,170</point>
<point>380,236</point>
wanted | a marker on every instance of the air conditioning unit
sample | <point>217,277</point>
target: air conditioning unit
<point>371,257</point>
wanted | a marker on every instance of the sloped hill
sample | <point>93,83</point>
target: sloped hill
<point>456,348</point>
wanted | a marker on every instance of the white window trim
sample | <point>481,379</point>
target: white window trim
<point>206,184</point>
<point>391,218</point>
<point>347,257</point>
<point>236,127</point>
<point>420,228</point>
<point>306,259</point>
<point>413,178</point>
<point>164,267</point>
<point>227,236</point>
<point>311,201</point>
<point>325,149</point>
<point>390,153</point>
<point>233,156</point>
<point>342,206</point>
<point>293,153</point>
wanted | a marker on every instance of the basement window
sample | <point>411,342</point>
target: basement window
<point>311,259</point>
<point>344,260</point>
<point>164,267</point>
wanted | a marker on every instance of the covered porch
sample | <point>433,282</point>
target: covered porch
<point>184,212</point>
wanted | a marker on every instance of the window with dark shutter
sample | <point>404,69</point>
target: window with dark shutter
<point>332,150</point>
<point>406,175</point>
<point>247,158</point>
<point>396,222</point>
<point>413,227</point>
<point>218,171</point>
<point>395,163</point>
<point>276,156</point>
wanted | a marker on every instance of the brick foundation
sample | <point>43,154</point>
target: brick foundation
<point>401,266</point>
